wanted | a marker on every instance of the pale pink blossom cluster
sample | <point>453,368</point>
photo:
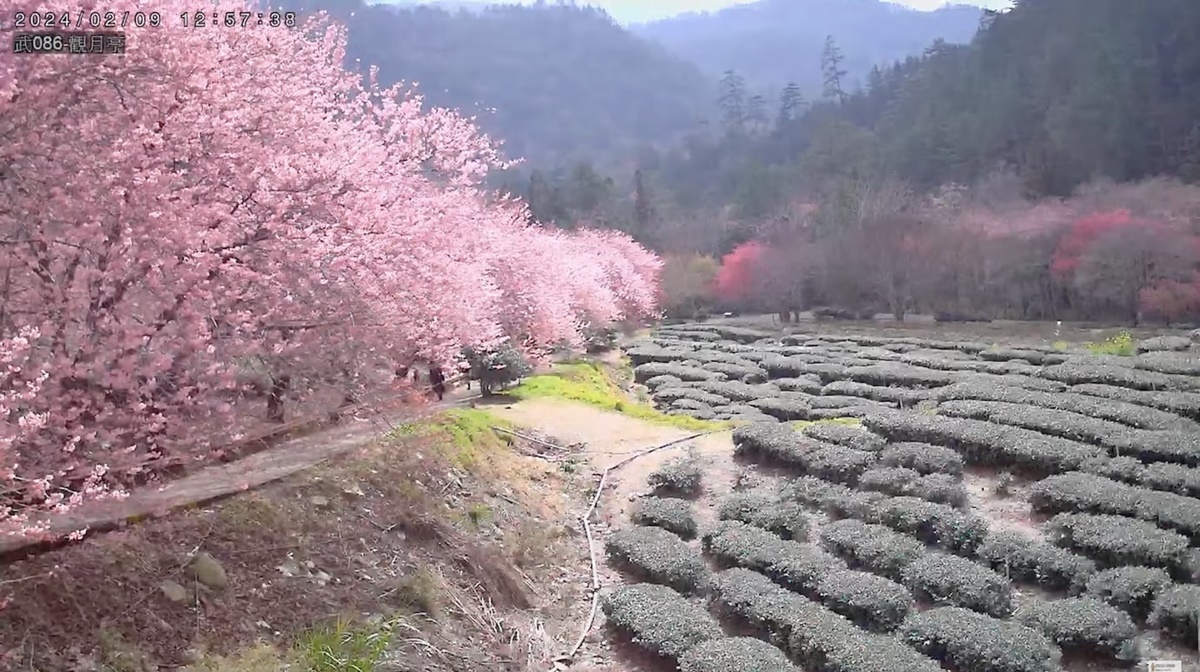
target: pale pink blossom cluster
<point>221,198</point>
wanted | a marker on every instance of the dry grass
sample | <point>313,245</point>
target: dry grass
<point>427,545</point>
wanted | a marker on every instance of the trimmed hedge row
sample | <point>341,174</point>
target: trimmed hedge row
<point>1082,492</point>
<point>735,654</point>
<point>837,464</point>
<point>779,443</point>
<point>735,391</point>
<point>644,372</point>
<point>837,500</point>
<point>1090,373</point>
<point>1164,476</point>
<point>1117,540</point>
<point>968,640</point>
<point>872,602</point>
<point>1186,404</point>
<point>1175,612</point>
<point>875,548</point>
<point>812,635</point>
<point>670,393</point>
<point>746,372</point>
<point>679,476</point>
<point>1024,559</point>
<point>805,384</point>
<point>1084,624</point>
<point>897,481</point>
<point>1148,445</point>
<point>892,395</point>
<point>659,619</point>
<point>898,374</point>
<point>949,579</point>
<point>787,409</point>
<point>673,515</point>
<point>1131,588</point>
<point>1112,410</point>
<point>795,565</point>
<point>924,458</point>
<point>985,443</point>
<point>935,524</point>
<point>840,434</point>
<point>769,512</point>
<point>658,556</point>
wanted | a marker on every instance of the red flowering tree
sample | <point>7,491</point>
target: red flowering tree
<point>174,214</point>
<point>735,281</point>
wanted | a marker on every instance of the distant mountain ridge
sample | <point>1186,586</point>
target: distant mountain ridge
<point>773,42</point>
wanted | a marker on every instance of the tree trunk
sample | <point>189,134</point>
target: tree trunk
<point>279,388</point>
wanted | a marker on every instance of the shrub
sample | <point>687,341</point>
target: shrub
<point>786,519</point>
<point>1175,612</point>
<point>940,488</point>
<point>659,619</point>
<point>812,635</point>
<point>1174,478</point>
<point>806,384</point>
<point>836,499</point>
<point>972,641</point>
<point>949,579</point>
<point>774,442</point>
<point>679,476</point>
<point>873,602</point>
<point>1116,540</point>
<point>837,463</point>
<point>899,481</point>
<point>1130,588</point>
<point>785,409</point>
<point>671,393</point>
<point>495,369</point>
<point>1086,373</point>
<point>1083,623</point>
<point>874,548</point>
<point>850,436</point>
<point>673,515</point>
<point>735,654</point>
<point>1077,491</point>
<point>897,374</point>
<point>735,391</point>
<point>902,397</point>
<point>734,543</point>
<point>746,372</point>
<point>1116,411</point>
<point>936,524</point>
<point>1186,404</point>
<point>923,458</point>
<point>662,381</point>
<point>659,557</point>
<point>984,442</point>
<point>644,372</point>
<point>1024,559</point>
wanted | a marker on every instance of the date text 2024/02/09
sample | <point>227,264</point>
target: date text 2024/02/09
<point>69,42</point>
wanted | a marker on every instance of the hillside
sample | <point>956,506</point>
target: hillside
<point>773,42</point>
<point>564,81</point>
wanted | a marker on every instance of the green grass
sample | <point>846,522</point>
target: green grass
<point>587,383</point>
<point>345,647</point>
<point>463,433</point>
<point>1122,345</point>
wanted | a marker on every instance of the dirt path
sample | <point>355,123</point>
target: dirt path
<point>285,459</point>
<point>609,438</point>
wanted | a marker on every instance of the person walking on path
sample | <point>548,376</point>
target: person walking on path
<point>437,380</point>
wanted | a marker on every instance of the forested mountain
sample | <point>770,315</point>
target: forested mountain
<point>1044,170</point>
<point>773,42</point>
<point>564,81</point>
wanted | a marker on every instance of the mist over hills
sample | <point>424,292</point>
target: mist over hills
<point>773,42</point>
<point>567,82</point>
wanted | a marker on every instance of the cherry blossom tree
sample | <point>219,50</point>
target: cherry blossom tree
<point>175,213</point>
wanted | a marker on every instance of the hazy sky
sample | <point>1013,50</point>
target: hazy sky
<point>627,11</point>
<point>646,10</point>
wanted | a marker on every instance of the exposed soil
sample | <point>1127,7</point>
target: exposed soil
<point>470,548</point>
